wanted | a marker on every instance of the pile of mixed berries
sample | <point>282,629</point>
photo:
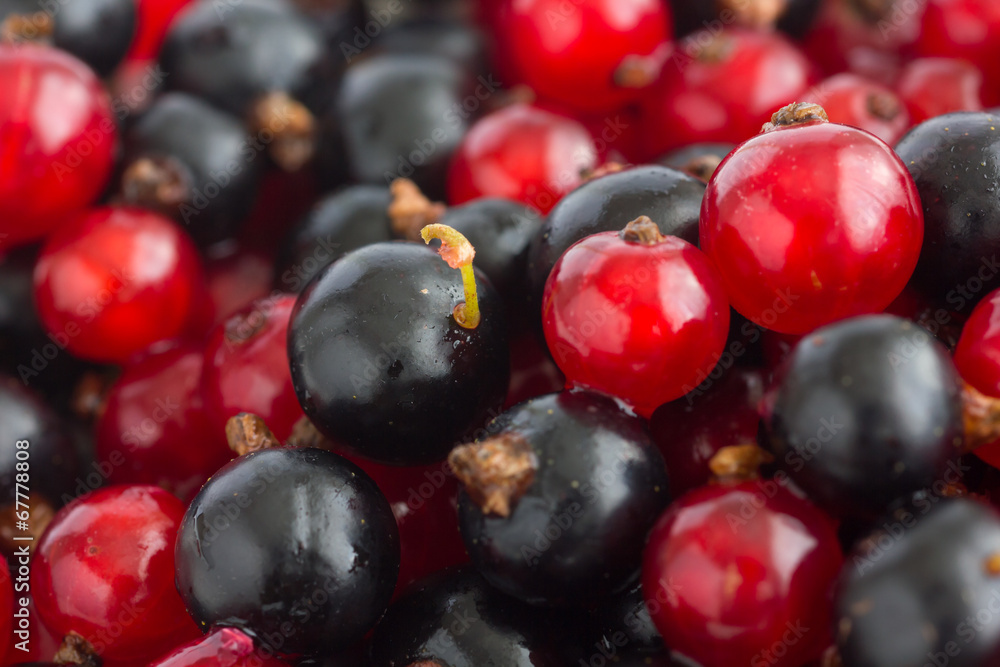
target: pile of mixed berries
<point>500,333</point>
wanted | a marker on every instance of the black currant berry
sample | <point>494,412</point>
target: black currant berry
<point>400,115</point>
<point>98,32</point>
<point>261,61</point>
<point>51,456</point>
<point>346,220</point>
<point>868,411</point>
<point>297,547</point>
<point>458,41</point>
<point>454,617</point>
<point>608,203</point>
<point>924,589</point>
<point>193,163</point>
<point>626,624</point>
<point>698,160</point>
<point>380,360</point>
<point>955,161</point>
<point>559,498</point>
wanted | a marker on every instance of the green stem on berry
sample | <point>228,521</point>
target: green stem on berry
<point>459,253</point>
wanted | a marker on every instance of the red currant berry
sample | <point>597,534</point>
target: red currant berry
<point>522,153</point>
<point>235,279</point>
<point>246,368</point>
<point>113,281</point>
<point>850,99</point>
<point>936,86</point>
<point>222,647</point>
<point>966,29</point>
<point>153,20</point>
<point>692,430</point>
<point>58,142</point>
<point>424,501</point>
<point>743,574</point>
<point>105,569</point>
<point>977,356</point>
<point>722,88</point>
<point>635,314</point>
<point>153,428</point>
<point>811,222</point>
<point>585,55</point>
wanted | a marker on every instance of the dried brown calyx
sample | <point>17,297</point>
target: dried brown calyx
<point>40,514</point>
<point>36,26</point>
<point>637,71</point>
<point>305,434</point>
<point>603,170</point>
<point>702,167</point>
<point>410,211</point>
<point>872,11</point>
<point>247,432</point>
<point>495,472</point>
<point>883,105</point>
<point>287,127</point>
<point>753,13</point>
<point>158,183</point>
<point>797,113</point>
<point>75,650</point>
<point>738,463</point>
<point>642,230</point>
<point>981,418</point>
<point>90,394</point>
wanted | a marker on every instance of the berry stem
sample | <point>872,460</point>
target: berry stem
<point>459,253</point>
<point>495,472</point>
<point>410,211</point>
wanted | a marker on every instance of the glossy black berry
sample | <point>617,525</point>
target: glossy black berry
<point>670,198</point>
<point>194,163</point>
<point>400,115</point>
<point>955,161</point>
<point>590,483</point>
<point>51,458</point>
<point>868,411</point>
<point>346,220</point>
<point>98,32</point>
<point>380,363</point>
<point>698,160</point>
<point>924,589</point>
<point>627,626</point>
<point>458,41</point>
<point>297,547</point>
<point>454,617</point>
<point>501,231</point>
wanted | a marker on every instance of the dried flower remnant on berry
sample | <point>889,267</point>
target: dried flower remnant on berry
<point>248,433</point>
<point>797,113</point>
<point>642,230</point>
<point>495,472</point>
<point>410,211</point>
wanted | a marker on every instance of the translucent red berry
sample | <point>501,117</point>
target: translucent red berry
<point>222,647</point>
<point>851,99</point>
<point>583,55</point>
<point>635,314</point>
<point>936,86</point>
<point>105,569</point>
<point>811,222</point>
<point>153,428</point>
<point>246,368</point>
<point>58,143</point>
<point>522,153</point>
<point>113,281</point>
<point>742,575</point>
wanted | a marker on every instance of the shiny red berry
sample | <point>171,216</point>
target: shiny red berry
<point>580,54</point>
<point>851,99</point>
<point>742,575</point>
<point>152,22</point>
<point>966,29</point>
<point>722,88</point>
<point>936,86</point>
<point>635,314</point>
<point>811,222</point>
<point>153,428</point>
<point>222,647</point>
<point>522,153</point>
<point>246,368</point>
<point>105,569</point>
<point>58,143</point>
<point>113,281</point>
<point>7,602</point>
